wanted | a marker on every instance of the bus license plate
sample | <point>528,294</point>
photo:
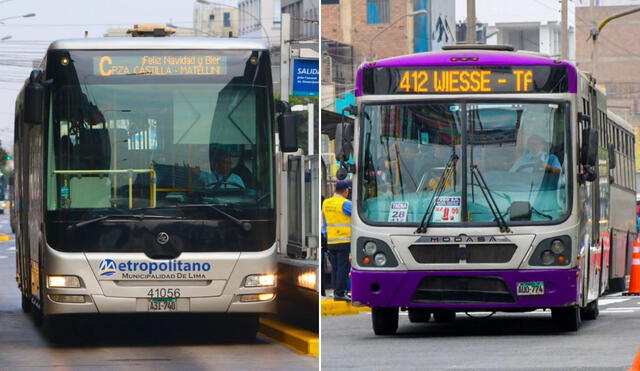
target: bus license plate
<point>162,305</point>
<point>530,288</point>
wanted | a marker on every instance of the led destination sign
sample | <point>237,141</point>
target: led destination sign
<point>113,65</point>
<point>466,80</point>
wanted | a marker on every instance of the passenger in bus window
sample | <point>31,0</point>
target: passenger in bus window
<point>536,157</point>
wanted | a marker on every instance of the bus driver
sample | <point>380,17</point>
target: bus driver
<point>221,177</point>
<point>536,157</point>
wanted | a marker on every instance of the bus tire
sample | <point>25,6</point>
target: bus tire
<point>384,320</point>
<point>444,316</point>
<point>419,315</point>
<point>54,328</point>
<point>245,328</point>
<point>616,285</point>
<point>566,319</point>
<point>36,314</point>
<point>26,303</point>
<point>591,311</point>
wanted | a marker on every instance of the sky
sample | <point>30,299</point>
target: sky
<point>62,19</point>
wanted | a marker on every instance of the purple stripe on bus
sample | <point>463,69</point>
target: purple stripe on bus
<point>397,288</point>
<point>484,58</point>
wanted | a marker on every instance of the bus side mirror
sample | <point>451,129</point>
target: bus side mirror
<point>612,156</point>
<point>589,155</point>
<point>34,97</point>
<point>592,151</point>
<point>344,139</point>
<point>287,132</point>
<point>344,148</point>
<point>282,106</point>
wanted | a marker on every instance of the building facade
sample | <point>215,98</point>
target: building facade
<point>215,20</point>
<point>260,19</point>
<point>305,15</point>
<point>526,25</point>
<point>618,67</point>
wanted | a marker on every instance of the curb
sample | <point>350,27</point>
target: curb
<point>4,237</point>
<point>302,341</point>
<point>340,308</point>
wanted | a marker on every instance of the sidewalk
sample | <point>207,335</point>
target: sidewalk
<point>331,307</point>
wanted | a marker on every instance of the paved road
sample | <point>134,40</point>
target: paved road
<point>511,341</point>
<point>147,344</point>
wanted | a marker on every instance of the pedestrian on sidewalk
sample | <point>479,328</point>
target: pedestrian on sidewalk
<point>336,211</point>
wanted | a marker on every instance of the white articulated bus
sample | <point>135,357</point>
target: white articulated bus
<point>145,179</point>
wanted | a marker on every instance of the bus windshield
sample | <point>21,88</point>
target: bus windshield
<point>149,129</point>
<point>413,156</point>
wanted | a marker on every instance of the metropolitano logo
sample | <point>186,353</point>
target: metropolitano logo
<point>107,267</point>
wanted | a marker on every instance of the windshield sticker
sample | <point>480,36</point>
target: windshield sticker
<point>398,212</point>
<point>447,209</point>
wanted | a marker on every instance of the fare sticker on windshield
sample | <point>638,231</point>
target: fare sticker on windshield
<point>447,210</point>
<point>398,212</point>
<point>108,65</point>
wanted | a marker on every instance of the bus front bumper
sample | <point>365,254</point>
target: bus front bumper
<point>109,304</point>
<point>466,290</point>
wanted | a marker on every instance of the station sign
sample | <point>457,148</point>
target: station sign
<point>466,80</point>
<point>305,77</point>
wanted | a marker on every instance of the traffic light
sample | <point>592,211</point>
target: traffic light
<point>8,157</point>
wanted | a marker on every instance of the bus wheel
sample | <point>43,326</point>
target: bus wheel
<point>54,328</point>
<point>384,320</point>
<point>36,314</point>
<point>567,318</point>
<point>245,328</point>
<point>591,311</point>
<point>417,315</point>
<point>444,316</point>
<point>26,304</point>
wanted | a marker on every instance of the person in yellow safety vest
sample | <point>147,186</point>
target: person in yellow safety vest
<point>336,212</point>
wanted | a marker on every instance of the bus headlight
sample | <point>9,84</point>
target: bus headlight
<point>557,246</point>
<point>553,251</point>
<point>260,280</point>
<point>370,248</point>
<point>63,281</point>
<point>380,259</point>
<point>257,297</point>
<point>374,253</point>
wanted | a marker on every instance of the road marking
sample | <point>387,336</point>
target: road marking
<point>611,301</point>
<point>12,248</point>
<point>615,311</point>
<point>3,256</point>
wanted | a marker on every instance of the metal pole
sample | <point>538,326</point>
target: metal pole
<point>594,37</point>
<point>564,31</point>
<point>471,21</point>
<point>310,133</point>
<point>285,55</point>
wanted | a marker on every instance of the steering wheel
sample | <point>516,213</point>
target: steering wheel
<point>217,186</point>
<point>531,165</point>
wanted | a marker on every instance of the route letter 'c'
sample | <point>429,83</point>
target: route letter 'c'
<point>104,60</point>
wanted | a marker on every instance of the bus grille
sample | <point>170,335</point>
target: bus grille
<point>472,253</point>
<point>462,289</point>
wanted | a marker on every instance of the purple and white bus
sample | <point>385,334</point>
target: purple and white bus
<point>482,183</point>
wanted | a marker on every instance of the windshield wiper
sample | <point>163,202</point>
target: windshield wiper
<point>139,217</point>
<point>446,173</point>
<point>493,205</point>
<point>246,226</point>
